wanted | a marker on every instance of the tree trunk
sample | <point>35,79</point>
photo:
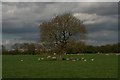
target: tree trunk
<point>60,51</point>
<point>59,57</point>
<point>59,54</point>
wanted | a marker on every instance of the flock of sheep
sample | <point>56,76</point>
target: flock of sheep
<point>67,59</point>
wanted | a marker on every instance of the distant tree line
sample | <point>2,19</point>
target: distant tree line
<point>71,48</point>
<point>22,49</point>
<point>79,47</point>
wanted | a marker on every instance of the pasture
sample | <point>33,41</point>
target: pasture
<point>30,66</point>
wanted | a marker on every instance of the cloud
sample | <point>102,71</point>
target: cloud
<point>96,22</point>
<point>95,19</point>
<point>109,8</point>
<point>59,0</point>
<point>21,20</point>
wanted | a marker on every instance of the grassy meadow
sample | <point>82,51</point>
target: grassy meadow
<point>29,66</point>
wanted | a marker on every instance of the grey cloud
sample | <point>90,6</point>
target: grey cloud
<point>95,23</point>
<point>99,8</point>
<point>12,28</point>
<point>100,27</point>
<point>22,19</point>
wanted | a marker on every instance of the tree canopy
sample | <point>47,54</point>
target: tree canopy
<point>61,29</point>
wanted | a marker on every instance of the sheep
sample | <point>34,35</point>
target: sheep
<point>85,60</point>
<point>98,53</point>
<point>92,59</point>
<point>54,53</point>
<point>107,54</point>
<point>73,60</point>
<point>118,54</point>
<point>82,58</point>
<point>42,58</point>
<point>21,60</point>
<point>67,59</point>
<point>38,59</point>
<point>48,56</point>
<point>53,57</point>
<point>77,59</point>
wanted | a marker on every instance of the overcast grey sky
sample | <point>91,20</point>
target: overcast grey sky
<point>60,0</point>
<point>21,19</point>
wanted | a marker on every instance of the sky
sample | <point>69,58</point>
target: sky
<point>20,20</point>
<point>60,0</point>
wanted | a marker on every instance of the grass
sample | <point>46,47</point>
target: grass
<point>104,66</point>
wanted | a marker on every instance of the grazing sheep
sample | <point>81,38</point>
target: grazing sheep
<point>85,60</point>
<point>53,57</point>
<point>21,60</point>
<point>48,56</point>
<point>82,58</point>
<point>118,54</point>
<point>42,58</point>
<point>98,53</point>
<point>67,59</point>
<point>92,59</point>
<point>77,59</point>
<point>38,59</point>
<point>73,60</point>
<point>54,53</point>
<point>107,54</point>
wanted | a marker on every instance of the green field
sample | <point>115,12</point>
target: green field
<point>103,66</point>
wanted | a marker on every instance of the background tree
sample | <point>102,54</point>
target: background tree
<point>3,48</point>
<point>74,47</point>
<point>60,30</point>
<point>31,49</point>
<point>16,47</point>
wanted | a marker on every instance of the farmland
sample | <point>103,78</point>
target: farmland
<point>103,66</point>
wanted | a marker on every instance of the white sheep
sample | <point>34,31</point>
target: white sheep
<point>107,54</point>
<point>98,53</point>
<point>54,53</point>
<point>48,56</point>
<point>67,59</point>
<point>73,60</point>
<point>21,60</point>
<point>38,59</point>
<point>85,60</point>
<point>118,54</point>
<point>92,59</point>
<point>82,58</point>
<point>42,58</point>
<point>54,57</point>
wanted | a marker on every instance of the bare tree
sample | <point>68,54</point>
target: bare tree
<point>60,30</point>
